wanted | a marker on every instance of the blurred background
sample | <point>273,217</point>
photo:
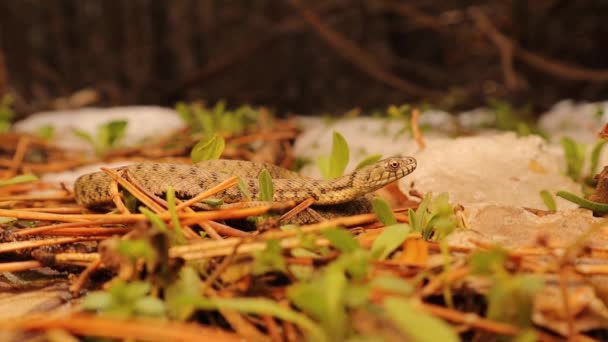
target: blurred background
<point>303,56</point>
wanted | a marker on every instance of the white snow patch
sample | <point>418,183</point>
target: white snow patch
<point>69,177</point>
<point>145,122</point>
<point>579,121</point>
<point>365,136</point>
<point>499,169</point>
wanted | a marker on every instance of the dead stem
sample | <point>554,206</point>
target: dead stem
<point>17,266</point>
<point>297,209</point>
<point>134,329</point>
<point>133,190</point>
<point>223,214</point>
<point>416,129</point>
<point>22,145</point>
<point>83,277</point>
<point>53,197</point>
<point>198,198</point>
<point>19,245</point>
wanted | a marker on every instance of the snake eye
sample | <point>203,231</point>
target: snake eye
<point>394,164</point>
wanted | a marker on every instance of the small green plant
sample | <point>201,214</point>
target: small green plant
<point>433,216</point>
<point>333,166</point>
<point>7,114</point>
<point>548,199</point>
<point>46,132</point>
<point>266,186</point>
<point>511,297</point>
<point>208,149</point>
<point>394,233</point>
<point>107,138</point>
<point>512,119</point>
<point>575,157</point>
<point>217,120</point>
<point>270,259</point>
<point>125,300</point>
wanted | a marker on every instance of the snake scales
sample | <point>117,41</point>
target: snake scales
<point>93,190</point>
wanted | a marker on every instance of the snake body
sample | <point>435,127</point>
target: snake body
<point>93,190</point>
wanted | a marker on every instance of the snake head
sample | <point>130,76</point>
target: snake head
<point>385,171</point>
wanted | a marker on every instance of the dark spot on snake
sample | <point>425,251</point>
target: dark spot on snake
<point>155,167</point>
<point>139,167</point>
<point>192,172</point>
<point>312,194</point>
<point>172,168</point>
<point>323,191</point>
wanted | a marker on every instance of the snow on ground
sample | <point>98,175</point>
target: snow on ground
<point>145,122</point>
<point>69,177</point>
<point>579,121</point>
<point>500,169</point>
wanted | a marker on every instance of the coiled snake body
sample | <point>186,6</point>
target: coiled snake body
<point>92,190</point>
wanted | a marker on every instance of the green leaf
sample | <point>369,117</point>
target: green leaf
<point>208,150</point>
<point>216,202</point>
<point>383,211</point>
<point>391,238</point>
<point>596,207</point>
<point>19,179</point>
<point>150,306</point>
<point>110,133</point>
<point>177,227</point>
<point>575,156</point>
<point>85,136</point>
<point>243,188</point>
<point>131,291</point>
<point>266,186</point>
<point>368,160</point>
<point>323,165</point>
<point>324,300</point>
<point>511,299</point>
<point>548,200</point>
<point>179,294</point>
<point>46,132</point>
<point>341,239</point>
<point>595,156</point>
<point>262,306</point>
<point>156,221</point>
<point>97,301</point>
<point>416,324</point>
<point>270,259</point>
<point>338,159</point>
<point>487,262</point>
<point>392,284</point>
<point>528,335</point>
<point>136,249</point>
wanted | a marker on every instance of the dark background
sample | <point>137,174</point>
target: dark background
<point>304,56</point>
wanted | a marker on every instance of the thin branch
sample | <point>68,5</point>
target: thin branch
<point>358,57</point>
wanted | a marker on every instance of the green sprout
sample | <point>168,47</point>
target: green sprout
<point>107,136</point>
<point>7,114</point>
<point>217,120</point>
<point>333,166</point>
<point>208,149</point>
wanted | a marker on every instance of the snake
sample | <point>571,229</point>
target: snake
<point>93,190</point>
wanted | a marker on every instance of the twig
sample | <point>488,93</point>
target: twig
<point>82,278</point>
<point>545,64</point>
<point>19,154</point>
<point>135,329</point>
<point>416,129</point>
<point>19,245</point>
<point>17,266</point>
